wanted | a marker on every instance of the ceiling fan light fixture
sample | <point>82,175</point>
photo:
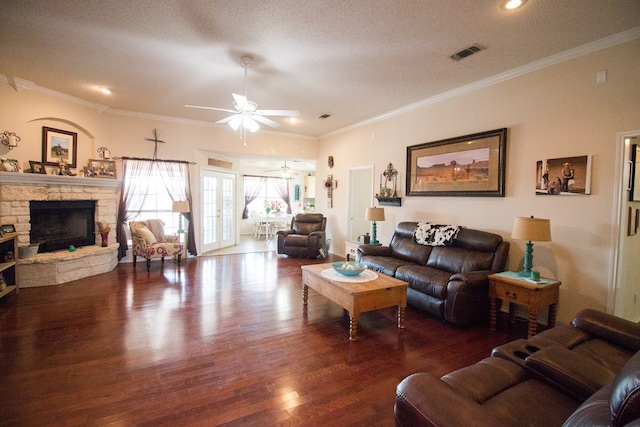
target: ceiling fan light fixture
<point>235,122</point>
<point>250,124</point>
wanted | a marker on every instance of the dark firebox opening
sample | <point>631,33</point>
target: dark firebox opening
<point>60,224</point>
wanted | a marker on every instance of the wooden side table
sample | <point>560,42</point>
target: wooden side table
<point>509,286</point>
<point>350,247</point>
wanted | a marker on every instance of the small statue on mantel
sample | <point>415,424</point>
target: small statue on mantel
<point>62,166</point>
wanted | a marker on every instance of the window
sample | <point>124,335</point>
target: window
<point>157,201</point>
<point>149,188</point>
<point>266,191</point>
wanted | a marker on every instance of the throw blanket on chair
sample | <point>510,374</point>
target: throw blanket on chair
<point>436,234</point>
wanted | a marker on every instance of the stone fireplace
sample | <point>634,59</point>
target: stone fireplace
<point>19,191</point>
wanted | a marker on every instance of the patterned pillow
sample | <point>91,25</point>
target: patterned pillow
<point>430,234</point>
<point>146,234</point>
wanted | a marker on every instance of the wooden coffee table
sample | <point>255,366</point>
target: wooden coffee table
<point>356,298</point>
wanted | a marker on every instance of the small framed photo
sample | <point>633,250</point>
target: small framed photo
<point>89,172</point>
<point>37,167</point>
<point>59,145</point>
<point>103,168</point>
<point>8,228</point>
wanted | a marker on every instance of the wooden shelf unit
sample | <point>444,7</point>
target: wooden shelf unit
<point>9,242</point>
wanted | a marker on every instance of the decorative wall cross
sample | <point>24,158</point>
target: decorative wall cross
<point>155,140</point>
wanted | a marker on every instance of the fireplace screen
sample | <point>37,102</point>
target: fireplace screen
<point>60,224</point>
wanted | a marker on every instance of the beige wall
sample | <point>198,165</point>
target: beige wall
<point>558,111</point>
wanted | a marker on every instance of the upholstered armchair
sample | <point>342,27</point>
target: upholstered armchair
<point>149,241</point>
<point>306,237</point>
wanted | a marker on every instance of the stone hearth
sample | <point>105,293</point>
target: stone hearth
<point>18,189</point>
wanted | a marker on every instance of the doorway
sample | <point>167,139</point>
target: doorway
<point>360,198</point>
<point>218,195</point>
<point>626,292</point>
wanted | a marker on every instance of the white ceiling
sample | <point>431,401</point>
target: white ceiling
<point>353,59</point>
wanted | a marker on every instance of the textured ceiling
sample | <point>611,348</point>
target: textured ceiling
<point>352,59</point>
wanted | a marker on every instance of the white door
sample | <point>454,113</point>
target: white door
<point>218,216</point>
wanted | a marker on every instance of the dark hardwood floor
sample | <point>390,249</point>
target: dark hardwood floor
<point>224,340</point>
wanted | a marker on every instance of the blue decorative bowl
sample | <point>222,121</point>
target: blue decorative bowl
<point>347,268</point>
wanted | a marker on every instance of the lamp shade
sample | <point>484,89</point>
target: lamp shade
<point>532,229</point>
<point>374,214</point>
<point>181,206</point>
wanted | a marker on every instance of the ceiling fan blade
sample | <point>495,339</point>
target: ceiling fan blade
<point>241,100</point>
<point>228,119</point>
<point>265,121</point>
<point>294,113</point>
<point>211,108</point>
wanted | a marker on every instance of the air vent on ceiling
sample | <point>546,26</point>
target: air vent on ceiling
<point>475,48</point>
<point>324,116</point>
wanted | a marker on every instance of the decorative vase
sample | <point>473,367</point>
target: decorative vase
<point>105,239</point>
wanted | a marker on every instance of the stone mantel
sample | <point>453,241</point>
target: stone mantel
<point>40,179</point>
<point>17,190</point>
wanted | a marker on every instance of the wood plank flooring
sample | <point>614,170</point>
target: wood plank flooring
<point>222,341</point>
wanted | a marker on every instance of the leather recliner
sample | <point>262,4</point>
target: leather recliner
<point>583,374</point>
<point>306,237</point>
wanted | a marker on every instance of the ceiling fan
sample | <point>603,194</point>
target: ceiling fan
<point>285,171</point>
<point>246,115</point>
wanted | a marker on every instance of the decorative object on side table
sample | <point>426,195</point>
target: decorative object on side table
<point>533,230</point>
<point>374,215</point>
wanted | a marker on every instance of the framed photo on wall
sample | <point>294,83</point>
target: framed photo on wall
<point>470,165</point>
<point>59,145</point>
<point>102,168</point>
<point>564,176</point>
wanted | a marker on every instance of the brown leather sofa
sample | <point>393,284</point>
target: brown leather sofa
<point>583,374</point>
<point>306,237</point>
<point>447,281</point>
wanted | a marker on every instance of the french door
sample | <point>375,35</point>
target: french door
<point>218,193</point>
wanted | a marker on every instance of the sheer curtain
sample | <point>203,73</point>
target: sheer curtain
<point>137,181</point>
<point>253,185</point>
<point>132,197</point>
<point>282,187</point>
<point>178,186</point>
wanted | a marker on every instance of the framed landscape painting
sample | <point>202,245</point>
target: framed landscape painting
<point>59,146</point>
<point>470,165</point>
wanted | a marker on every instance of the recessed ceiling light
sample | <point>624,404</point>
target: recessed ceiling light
<point>104,90</point>
<point>513,4</point>
<point>293,120</point>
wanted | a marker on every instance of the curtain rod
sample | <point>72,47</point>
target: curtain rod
<point>153,160</point>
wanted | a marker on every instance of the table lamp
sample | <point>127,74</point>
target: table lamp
<point>181,206</point>
<point>374,214</point>
<point>531,229</point>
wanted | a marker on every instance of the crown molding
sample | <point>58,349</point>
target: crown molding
<point>607,42</point>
